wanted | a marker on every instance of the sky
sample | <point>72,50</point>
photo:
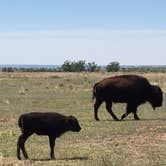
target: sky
<point>132,32</point>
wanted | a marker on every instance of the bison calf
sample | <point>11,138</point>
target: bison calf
<point>131,89</point>
<point>51,124</point>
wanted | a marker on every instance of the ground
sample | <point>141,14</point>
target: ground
<point>106,142</point>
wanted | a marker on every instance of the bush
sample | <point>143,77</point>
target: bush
<point>79,66</point>
<point>8,69</point>
<point>66,66</point>
<point>91,67</point>
<point>113,66</point>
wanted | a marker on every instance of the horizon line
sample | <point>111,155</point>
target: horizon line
<point>61,64</point>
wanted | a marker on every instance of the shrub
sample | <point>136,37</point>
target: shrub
<point>113,66</point>
<point>92,67</point>
<point>79,66</point>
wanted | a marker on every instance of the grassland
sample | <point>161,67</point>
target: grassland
<point>101,143</point>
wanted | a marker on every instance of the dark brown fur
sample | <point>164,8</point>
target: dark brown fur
<point>51,124</point>
<point>131,89</point>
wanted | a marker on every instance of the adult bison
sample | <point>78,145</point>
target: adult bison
<point>131,89</point>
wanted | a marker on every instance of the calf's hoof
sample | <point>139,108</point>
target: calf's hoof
<point>52,158</point>
<point>97,119</point>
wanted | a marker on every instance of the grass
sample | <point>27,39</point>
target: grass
<point>101,143</point>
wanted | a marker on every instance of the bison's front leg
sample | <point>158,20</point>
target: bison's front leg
<point>135,115</point>
<point>109,109</point>
<point>52,144</point>
<point>130,108</point>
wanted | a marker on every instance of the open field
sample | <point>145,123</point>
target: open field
<point>103,143</point>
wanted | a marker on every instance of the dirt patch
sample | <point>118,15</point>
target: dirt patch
<point>162,137</point>
<point>150,128</point>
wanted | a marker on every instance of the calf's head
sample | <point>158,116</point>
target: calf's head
<point>156,97</point>
<point>73,124</point>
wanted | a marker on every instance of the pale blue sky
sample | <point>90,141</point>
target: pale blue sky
<point>132,32</point>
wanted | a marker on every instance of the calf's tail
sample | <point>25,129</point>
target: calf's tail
<point>20,123</point>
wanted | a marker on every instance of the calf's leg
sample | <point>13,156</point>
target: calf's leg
<point>21,145</point>
<point>52,144</point>
<point>18,147</point>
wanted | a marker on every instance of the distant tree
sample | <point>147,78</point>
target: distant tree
<point>78,66</point>
<point>91,67</point>
<point>66,66</point>
<point>113,66</point>
<point>10,69</point>
<point>4,69</point>
<point>73,66</point>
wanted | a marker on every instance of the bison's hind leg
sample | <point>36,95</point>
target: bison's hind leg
<point>109,109</point>
<point>96,107</point>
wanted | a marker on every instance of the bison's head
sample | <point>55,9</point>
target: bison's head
<point>73,124</point>
<point>156,97</point>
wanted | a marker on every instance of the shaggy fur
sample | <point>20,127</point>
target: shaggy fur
<point>51,124</point>
<point>131,89</point>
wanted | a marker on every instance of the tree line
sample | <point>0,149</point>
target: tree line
<point>68,66</point>
<point>83,66</point>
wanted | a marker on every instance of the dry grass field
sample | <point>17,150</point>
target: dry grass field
<point>104,143</point>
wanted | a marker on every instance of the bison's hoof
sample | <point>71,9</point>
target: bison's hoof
<point>26,157</point>
<point>116,119</point>
<point>19,158</point>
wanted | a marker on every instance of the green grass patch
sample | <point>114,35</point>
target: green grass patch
<point>102,143</point>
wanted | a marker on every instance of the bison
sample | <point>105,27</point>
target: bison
<point>130,89</point>
<point>51,124</point>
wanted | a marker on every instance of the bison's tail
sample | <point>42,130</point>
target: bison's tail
<point>94,91</point>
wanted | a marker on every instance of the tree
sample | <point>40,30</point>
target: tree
<point>91,67</point>
<point>66,66</point>
<point>73,66</point>
<point>78,66</point>
<point>8,69</point>
<point>113,66</point>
